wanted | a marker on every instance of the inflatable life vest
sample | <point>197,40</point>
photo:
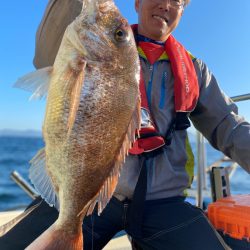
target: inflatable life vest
<point>186,91</point>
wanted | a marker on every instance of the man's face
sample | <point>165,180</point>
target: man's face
<point>157,18</point>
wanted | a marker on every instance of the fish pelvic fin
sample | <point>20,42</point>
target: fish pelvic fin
<point>8,226</point>
<point>55,238</point>
<point>108,188</point>
<point>41,180</point>
<point>36,82</point>
<point>76,96</point>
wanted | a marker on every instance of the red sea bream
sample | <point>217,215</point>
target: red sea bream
<point>92,113</point>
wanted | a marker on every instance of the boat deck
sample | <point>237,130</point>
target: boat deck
<point>120,243</point>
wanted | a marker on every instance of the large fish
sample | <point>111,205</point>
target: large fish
<point>92,113</point>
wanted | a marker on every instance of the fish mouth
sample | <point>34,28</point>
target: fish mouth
<point>161,18</point>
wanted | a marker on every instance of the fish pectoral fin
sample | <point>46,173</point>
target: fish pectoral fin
<point>75,97</point>
<point>36,82</point>
<point>41,180</point>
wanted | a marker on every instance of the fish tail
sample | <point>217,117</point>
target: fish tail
<point>55,239</point>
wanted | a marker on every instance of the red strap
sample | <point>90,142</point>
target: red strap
<point>186,88</point>
<point>136,150</point>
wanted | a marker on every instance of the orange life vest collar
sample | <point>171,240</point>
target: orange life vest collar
<point>186,87</point>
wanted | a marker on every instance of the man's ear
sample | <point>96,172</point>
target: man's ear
<point>137,3</point>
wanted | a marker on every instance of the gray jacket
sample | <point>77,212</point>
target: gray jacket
<point>215,115</point>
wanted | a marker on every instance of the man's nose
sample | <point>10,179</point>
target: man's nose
<point>164,4</point>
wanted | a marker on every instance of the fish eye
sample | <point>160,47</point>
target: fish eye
<point>121,35</point>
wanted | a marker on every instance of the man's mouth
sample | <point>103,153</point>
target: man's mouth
<point>161,18</point>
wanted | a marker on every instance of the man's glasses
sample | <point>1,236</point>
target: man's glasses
<point>176,4</point>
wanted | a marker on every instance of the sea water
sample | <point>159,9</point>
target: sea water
<point>16,152</point>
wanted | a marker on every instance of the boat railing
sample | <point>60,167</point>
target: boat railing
<point>202,161</point>
<point>202,168</point>
<point>21,182</point>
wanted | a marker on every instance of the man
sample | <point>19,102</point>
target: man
<point>149,201</point>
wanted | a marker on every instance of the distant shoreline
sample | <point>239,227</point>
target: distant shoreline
<point>20,133</point>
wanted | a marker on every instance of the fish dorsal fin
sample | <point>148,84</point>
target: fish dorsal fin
<point>110,184</point>
<point>41,180</point>
<point>89,8</point>
<point>92,8</point>
<point>36,82</point>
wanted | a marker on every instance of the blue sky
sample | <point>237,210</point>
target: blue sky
<point>217,31</point>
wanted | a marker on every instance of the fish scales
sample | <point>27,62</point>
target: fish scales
<point>92,113</point>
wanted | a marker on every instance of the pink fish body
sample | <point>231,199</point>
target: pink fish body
<point>92,113</point>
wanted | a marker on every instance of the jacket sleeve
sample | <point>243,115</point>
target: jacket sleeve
<point>216,117</point>
<point>57,16</point>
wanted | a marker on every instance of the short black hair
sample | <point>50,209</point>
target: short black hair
<point>186,2</point>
